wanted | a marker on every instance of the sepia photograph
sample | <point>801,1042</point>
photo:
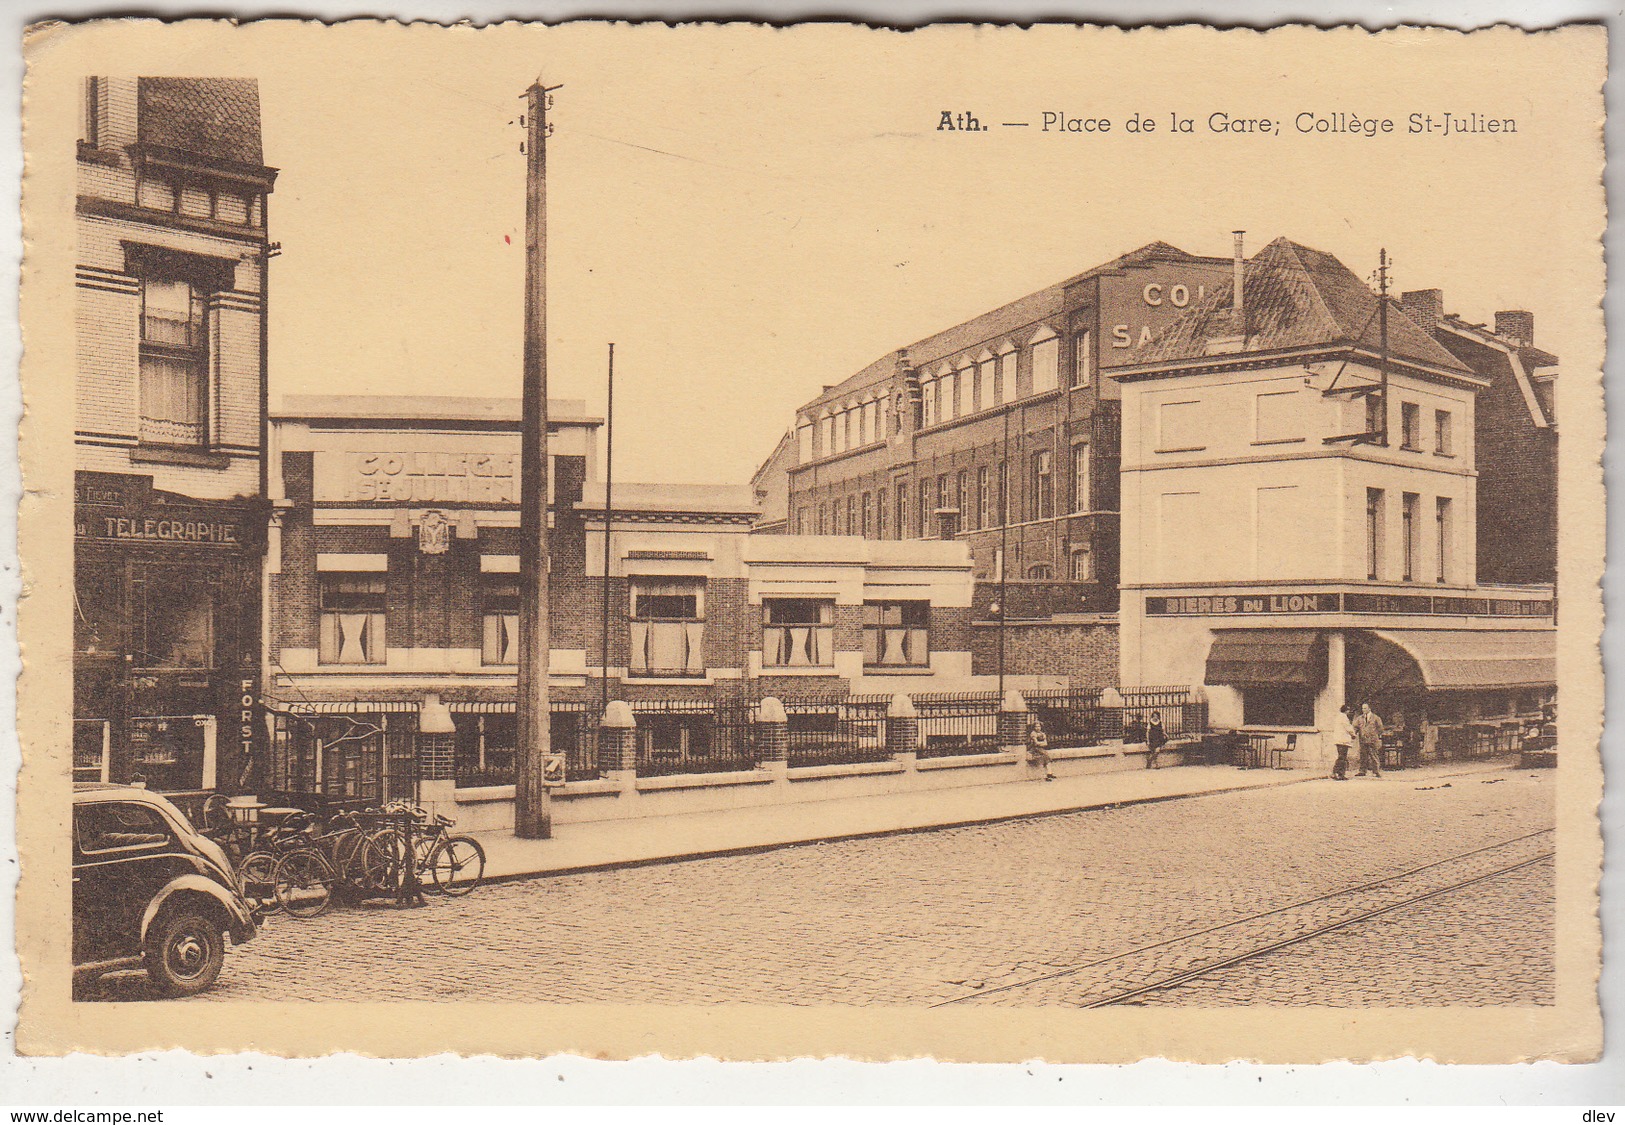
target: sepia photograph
<point>989,543</point>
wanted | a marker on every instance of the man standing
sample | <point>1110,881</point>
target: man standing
<point>1368,730</point>
<point>1343,739</point>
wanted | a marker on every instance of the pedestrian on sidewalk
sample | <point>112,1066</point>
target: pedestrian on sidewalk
<point>1368,730</point>
<point>1038,746</point>
<point>1155,739</point>
<point>1343,739</point>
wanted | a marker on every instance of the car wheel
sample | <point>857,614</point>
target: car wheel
<point>185,952</point>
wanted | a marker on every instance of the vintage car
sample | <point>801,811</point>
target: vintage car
<point>150,892</point>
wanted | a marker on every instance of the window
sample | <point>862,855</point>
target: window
<point>797,633</point>
<point>851,515</point>
<point>867,515</point>
<point>1441,432</point>
<point>667,628</point>
<point>880,514</point>
<point>1040,571</point>
<point>174,363</point>
<point>1179,427</point>
<point>803,522</point>
<point>948,396</point>
<point>1083,359</point>
<point>804,443</point>
<point>942,491</point>
<point>1373,533</point>
<point>1441,520</point>
<point>823,522</point>
<point>829,435</point>
<point>173,618</point>
<point>960,495</point>
<point>1007,376</point>
<point>111,826</point>
<point>1083,564</point>
<point>1410,426</point>
<point>984,498</point>
<point>986,373</point>
<point>902,509</point>
<point>896,634</point>
<point>1283,705</point>
<point>1275,417</point>
<point>93,108</point>
<point>1080,477</point>
<point>1043,505</point>
<point>352,620</point>
<point>849,426</point>
<point>1407,531</point>
<point>925,509</point>
<point>929,401</point>
<point>1375,421</point>
<point>1046,362</point>
<point>499,614</point>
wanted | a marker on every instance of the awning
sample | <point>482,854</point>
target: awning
<point>341,706</point>
<point>1267,658</point>
<point>1457,659</point>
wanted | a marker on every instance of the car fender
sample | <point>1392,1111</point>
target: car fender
<point>238,921</point>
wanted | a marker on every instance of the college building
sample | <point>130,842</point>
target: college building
<point>392,571</point>
<point>169,517</point>
<point>1300,510</point>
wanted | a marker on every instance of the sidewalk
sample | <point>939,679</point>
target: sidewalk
<point>622,843</point>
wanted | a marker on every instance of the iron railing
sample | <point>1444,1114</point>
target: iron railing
<point>958,723</point>
<point>694,736</point>
<point>836,732</point>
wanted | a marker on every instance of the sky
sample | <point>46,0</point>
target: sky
<point>752,215</point>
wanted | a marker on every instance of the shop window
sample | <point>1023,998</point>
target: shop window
<point>1046,362</point>
<point>96,591</point>
<point>173,617</point>
<point>1083,359</point>
<point>896,634</point>
<point>1080,477</point>
<point>352,620</point>
<point>174,363</point>
<point>1441,433</point>
<point>1043,484</point>
<point>1373,532</point>
<point>1441,522</point>
<point>1280,705</point>
<point>1407,533</point>
<point>798,633</point>
<point>668,627</point>
<point>1410,426</point>
<point>499,614</point>
<point>1276,417</point>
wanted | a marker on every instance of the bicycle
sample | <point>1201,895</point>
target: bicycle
<point>447,864</point>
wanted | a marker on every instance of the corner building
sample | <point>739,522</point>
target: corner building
<point>1300,532</point>
<point>1003,433</point>
<point>169,517</point>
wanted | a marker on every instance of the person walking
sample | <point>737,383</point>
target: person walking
<point>1155,739</point>
<point>1368,731</point>
<point>1038,746</point>
<point>1343,739</point>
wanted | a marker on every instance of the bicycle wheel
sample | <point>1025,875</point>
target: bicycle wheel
<point>457,865</point>
<point>256,874</point>
<point>424,846</point>
<point>304,883</point>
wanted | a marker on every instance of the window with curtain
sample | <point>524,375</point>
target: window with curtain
<point>499,617</point>
<point>896,634</point>
<point>352,619</point>
<point>667,627</point>
<point>174,363</point>
<point>798,633</point>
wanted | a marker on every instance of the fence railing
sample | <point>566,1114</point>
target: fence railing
<point>680,736</point>
<point>840,732</point>
<point>958,723</point>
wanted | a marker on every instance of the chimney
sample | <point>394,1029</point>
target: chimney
<point>1425,306</point>
<point>1516,324</point>
<point>1237,268</point>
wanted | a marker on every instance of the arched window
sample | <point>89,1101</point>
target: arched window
<point>1040,571</point>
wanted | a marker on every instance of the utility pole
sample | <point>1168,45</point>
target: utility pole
<point>1382,313</point>
<point>609,515</point>
<point>533,816</point>
<point>1004,541</point>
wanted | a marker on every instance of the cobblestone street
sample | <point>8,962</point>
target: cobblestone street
<point>1054,910</point>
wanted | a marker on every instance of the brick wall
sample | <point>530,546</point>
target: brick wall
<point>1085,651</point>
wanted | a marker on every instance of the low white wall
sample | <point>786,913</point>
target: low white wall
<point>627,797</point>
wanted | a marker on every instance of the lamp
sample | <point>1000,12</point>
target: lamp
<point>434,717</point>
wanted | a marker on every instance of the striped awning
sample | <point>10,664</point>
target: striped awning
<point>1459,659</point>
<point>1267,658</point>
<point>343,706</point>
